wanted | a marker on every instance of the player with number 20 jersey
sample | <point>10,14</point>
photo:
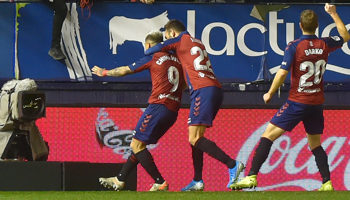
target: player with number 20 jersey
<point>306,58</point>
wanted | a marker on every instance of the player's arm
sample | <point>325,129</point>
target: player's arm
<point>343,32</point>
<point>167,46</point>
<point>118,71</point>
<point>135,67</point>
<point>282,73</point>
<point>276,83</point>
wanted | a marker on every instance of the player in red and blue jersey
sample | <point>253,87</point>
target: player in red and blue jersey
<point>164,103</point>
<point>306,59</point>
<point>206,99</point>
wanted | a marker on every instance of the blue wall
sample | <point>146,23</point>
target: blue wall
<point>7,39</point>
<point>217,25</point>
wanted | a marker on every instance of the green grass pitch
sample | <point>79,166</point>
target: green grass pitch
<point>129,195</point>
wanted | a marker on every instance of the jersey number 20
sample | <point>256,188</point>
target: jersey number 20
<point>313,69</point>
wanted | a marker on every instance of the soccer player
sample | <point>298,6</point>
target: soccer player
<point>306,58</point>
<point>206,99</point>
<point>164,103</point>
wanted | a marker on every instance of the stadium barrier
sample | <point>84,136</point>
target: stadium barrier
<point>76,134</point>
<point>75,117</point>
<point>58,176</point>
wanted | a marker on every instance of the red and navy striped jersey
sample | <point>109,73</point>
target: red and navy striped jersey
<point>194,60</point>
<point>167,78</point>
<point>306,59</point>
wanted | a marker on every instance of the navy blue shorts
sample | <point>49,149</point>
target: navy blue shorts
<point>153,124</point>
<point>291,113</point>
<point>205,104</point>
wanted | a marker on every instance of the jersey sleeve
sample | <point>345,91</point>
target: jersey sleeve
<point>168,46</point>
<point>141,64</point>
<point>288,58</point>
<point>334,42</point>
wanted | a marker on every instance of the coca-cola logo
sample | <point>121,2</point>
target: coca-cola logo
<point>109,134</point>
<point>287,157</point>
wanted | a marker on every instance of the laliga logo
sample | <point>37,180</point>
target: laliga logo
<point>109,135</point>
<point>289,155</point>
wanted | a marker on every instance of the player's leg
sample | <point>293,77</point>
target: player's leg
<point>156,122</point>
<point>146,160</point>
<point>197,139</point>
<point>197,183</point>
<point>211,100</point>
<point>271,133</point>
<point>321,159</point>
<point>284,120</point>
<point>204,107</point>
<point>127,167</point>
<point>314,125</point>
<point>118,182</point>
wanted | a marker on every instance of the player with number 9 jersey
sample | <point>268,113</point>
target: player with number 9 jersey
<point>205,89</point>
<point>167,78</point>
<point>161,113</point>
<point>306,58</point>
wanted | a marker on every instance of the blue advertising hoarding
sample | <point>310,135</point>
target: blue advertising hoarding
<point>7,40</point>
<point>241,47</point>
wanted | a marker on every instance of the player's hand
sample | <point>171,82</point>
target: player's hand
<point>267,97</point>
<point>330,9</point>
<point>147,1</point>
<point>97,70</point>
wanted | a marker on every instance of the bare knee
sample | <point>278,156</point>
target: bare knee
<point>314,141</point>
<point>193,139</point>
<point>137,146</point>
<point>194,133</point>
<point>272,132</point>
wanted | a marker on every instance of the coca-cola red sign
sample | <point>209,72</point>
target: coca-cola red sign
<point>103,135</point>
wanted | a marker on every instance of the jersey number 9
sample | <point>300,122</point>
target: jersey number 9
<point>173,77</point>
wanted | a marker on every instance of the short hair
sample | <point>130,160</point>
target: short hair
<point>177,25</point>
<point>154,37</point>
<point>309,20</point>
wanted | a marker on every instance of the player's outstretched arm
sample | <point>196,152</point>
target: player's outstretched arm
<point>332,11</point>
<point>119,71</point>
<point>276,83</point>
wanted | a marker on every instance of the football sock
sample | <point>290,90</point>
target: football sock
<point>146,160</point>
<point>197,157</point>
<point>260,155</point>
<point>322,163</point>
<point>214,151</point>
<point>129,165</point>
